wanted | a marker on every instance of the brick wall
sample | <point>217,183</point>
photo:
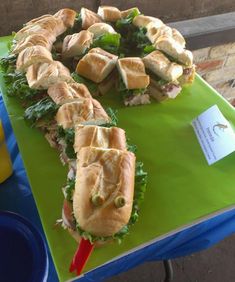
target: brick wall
<point>217,66</point>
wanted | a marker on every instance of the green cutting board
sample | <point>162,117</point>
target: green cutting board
<point>182,189</point>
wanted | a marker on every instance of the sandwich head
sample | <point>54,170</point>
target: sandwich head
<point>106,174</point>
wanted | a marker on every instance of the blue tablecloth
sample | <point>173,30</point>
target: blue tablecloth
<point>15,195</point>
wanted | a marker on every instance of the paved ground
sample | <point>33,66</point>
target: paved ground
<point>216,264</point>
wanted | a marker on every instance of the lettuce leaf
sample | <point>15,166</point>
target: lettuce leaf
<point>16,82</point>
<point>125,22</point>
<point>7,64</point>
<point>68,136</point>
<point>113,115</point>
<point>109,42</point>
<point>44,110</point>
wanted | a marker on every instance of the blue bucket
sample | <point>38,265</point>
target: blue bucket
<point>23,252</point>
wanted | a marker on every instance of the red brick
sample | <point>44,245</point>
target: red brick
<point>209,65</point>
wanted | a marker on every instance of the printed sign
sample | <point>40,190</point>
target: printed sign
<point>215,134</point>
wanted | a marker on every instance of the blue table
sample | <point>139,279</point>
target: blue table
<point>15,195</point>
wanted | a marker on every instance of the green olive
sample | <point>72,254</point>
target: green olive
<point>119,201</point>
<point>97,200</point>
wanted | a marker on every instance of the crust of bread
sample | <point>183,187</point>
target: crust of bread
<point>154,31</point>
<point>109,13</point>
<point>63,92</point>
<point>143,21</point>
<point>35,20</point>
<point>86,111</point>
<point>99,29</point>
<point>33,55</point>
<point>96,65</point>
<point>32,30</point>
<point>109,173</point>
<point>100,137</point>
<point>159,64</point>
<point>178,37</point>
<point>41,76</point>
<point>44,25</point>
<point>169,46</point>
<point>125,13</point>
<point>32,40</point>
<point>89,18</point>
<point>76,44</point>
<point>67,16</point>
<point>133,74</point>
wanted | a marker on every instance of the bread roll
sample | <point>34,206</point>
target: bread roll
<point>63,92</point>
<point>76,44</point>
<point>43,17</point>
<point>67,16</point>
<point>109,13</point>
<point>48,26</point>
<point>32,40</point>
<point>154,31</point>
<point>133,73</point>
<point>96,65</point>
<point>162,66</point>
<point>33,30</point>
<point>89,18</point>
<point>41,76</point>
<point>126,13</point>
<point>169,46</point>
<point>86,111</point>
<point>99,29</point>
<point>33,55</point>
<point>100,137</point>
<point>108,174</point>
<point>178,37</point>
<point>143,21</point>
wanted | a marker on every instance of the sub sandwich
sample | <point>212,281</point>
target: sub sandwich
<point>133,81</point>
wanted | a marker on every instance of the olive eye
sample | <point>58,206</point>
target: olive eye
<point>119,201</point>
<point>97,200</point>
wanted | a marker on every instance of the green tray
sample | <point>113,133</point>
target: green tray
<point>182,189</point>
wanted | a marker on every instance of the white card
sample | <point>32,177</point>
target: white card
<point>215,134</point>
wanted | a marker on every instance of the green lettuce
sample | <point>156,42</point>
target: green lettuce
<point>7,64</point>
<point>16,82</point>
<point>113,116</point>
<point>68,136</point>
<point>108,41</point>
<point>123,23</point>
<point>44,110</point>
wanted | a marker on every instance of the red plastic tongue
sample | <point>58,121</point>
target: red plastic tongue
<point>81,256</point>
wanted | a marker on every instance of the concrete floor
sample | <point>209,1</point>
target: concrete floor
<point>216,264</point>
